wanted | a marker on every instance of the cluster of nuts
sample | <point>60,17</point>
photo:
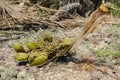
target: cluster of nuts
<point>40,49</point>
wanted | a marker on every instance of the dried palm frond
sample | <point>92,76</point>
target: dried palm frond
<point>8,15</point>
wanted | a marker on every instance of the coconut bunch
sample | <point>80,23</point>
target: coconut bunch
<point>42,49</point>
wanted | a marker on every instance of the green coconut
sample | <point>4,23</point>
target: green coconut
<point>18,47</point>
<point>66,42</point>
<point>38,58</point>
<point>33,55</point>
<point>48,36</point>
<point>56,42</point>
<point>21,56</point>
<point>31,44</point>
<point>40,40</point>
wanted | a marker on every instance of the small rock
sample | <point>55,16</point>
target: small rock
<point>29,75</point>
<point>21,75</point>
<point>71,64</point>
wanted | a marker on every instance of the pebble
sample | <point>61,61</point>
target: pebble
<point>21,75</point>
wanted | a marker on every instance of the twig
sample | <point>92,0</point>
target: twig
<point>45,8</point>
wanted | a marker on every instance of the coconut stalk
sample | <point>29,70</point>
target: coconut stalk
<point>91,24</point>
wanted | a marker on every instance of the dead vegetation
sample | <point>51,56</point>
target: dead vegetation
<point>9,17</point>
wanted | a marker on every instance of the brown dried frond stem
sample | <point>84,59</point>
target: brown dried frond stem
<point>90,25</point>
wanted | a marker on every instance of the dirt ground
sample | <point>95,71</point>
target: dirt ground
<point>86,63</point>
